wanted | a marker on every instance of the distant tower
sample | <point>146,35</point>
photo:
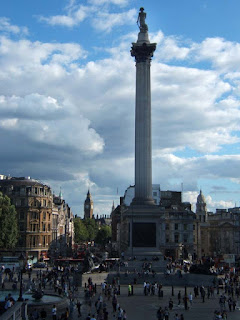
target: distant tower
<point>88,207</point>
<point>113,207</point>
<point>60,194</point>
<point>201,207</point>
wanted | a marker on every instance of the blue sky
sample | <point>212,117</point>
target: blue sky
<point>67,86</point>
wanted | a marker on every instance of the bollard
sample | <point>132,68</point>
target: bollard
<point>172,291</point>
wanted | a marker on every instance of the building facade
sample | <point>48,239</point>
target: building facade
<point>45,221</point>
<point>216,234</point>
<point>33,202</point>
<point>171,225</point>
<point>62,228</point>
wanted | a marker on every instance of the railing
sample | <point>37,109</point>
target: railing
<point>17,312</point>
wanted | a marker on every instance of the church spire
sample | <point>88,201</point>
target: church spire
<point>60,194</point>
<point>113,206</point>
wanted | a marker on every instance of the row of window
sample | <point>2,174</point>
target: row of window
<point>22,190</point>
<point>39,241</point>
<point>177,226</point>
<point>35,203</point>
<point>176,238</point>
<point>35,215</point>
<point>35,227</point>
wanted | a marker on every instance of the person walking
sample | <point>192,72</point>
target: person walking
<point>190,298</point>
<point>54,312</point>
<point>79,308</point>
<point>66,314</point>
<point>203,293</point>
<point>185,300</point>
<point>129,290</point>
<point>179,297</point>
<point>43,314</point>
<point>166,314</point>
<point>114,303</point>
<point>35,314</point>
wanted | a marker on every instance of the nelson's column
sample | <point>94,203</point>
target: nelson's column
<point>139,225</point>
<point>143,50</point>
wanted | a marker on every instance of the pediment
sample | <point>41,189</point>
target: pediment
<point>226,225</point>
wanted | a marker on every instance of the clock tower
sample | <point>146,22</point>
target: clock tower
<point>88,207</point>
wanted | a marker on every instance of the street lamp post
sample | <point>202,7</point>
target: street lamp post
<point>40,278</point>
<point>21,263</point>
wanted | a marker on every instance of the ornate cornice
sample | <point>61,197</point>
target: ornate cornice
<point>143,52</point>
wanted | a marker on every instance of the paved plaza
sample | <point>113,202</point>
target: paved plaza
<point>140,307</point>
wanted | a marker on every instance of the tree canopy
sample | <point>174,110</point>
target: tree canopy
<point>88,230</point>
<point>85,229</point>
<point>81,232</point>
<point>103,235</point>
<point>8,223</point>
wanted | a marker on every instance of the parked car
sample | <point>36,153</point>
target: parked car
<point>39,265</point>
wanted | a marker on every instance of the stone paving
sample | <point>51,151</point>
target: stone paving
<point>140,307</point>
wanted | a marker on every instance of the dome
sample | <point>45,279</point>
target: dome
<point>201,198</point>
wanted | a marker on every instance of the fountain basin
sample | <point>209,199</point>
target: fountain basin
<point>47,298</point>
<point>46,302</point>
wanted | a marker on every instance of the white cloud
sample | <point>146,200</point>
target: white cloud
<point>73,18</point>
<point>120,3</point>
<point>170,48</point>
<point>97,11</point>
<point>25,107</point>
<point>7,27</point>
<point>224,55</point>
<point>74,120</point>
<point>8,123</point>
<point>48,123</point>
<point>105,21</point>
<point>212,205</point>
<point>23,55</point>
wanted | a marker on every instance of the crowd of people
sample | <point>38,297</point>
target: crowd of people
<point>109,292</point>
<point>103,304</point>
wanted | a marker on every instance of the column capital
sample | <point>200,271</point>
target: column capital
<point>143,52</point>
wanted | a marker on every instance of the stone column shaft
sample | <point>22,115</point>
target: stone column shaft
<point>143,134</point>
<point>143,51</point>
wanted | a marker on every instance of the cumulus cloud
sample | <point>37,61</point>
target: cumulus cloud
<point>191,196</point>
<point>7,27</point>
<point>223,54</point>
<point>72,120</point>
<point>25,107</point>
<point>97,11</point>
<point>105,21</point>
<point>115,2</point>
<point>170,48</point>
<point>73,17</point>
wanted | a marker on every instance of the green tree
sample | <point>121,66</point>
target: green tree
<point>92,228</point>
<point>8,223</point>
<point>81,232</point>
<point>103,235</point>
